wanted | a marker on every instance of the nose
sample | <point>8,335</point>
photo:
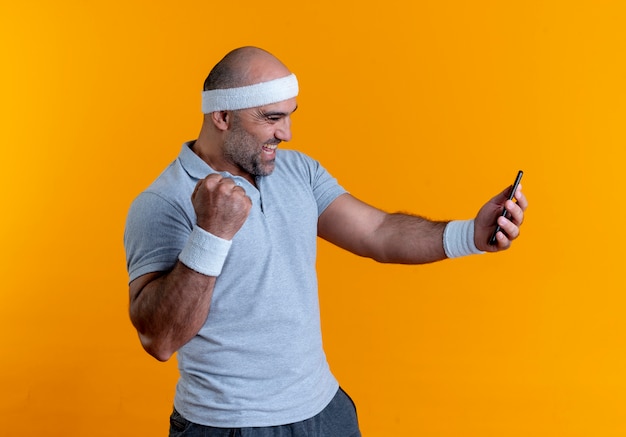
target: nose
<point>283,129</point>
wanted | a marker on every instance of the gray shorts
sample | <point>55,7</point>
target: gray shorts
<point>338,419</point>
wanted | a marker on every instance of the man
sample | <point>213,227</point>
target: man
<point>221,257</point>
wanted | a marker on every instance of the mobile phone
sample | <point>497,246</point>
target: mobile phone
<point>520,173</point>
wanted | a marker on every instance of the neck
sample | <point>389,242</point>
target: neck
<point>211,153</point>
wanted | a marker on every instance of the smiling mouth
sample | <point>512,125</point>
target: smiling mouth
<point>269,148</point>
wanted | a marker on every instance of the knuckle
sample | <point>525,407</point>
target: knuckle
<point>225,186</point>
<point>212,180</point>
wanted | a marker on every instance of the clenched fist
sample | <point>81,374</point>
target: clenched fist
<point>221,206</point>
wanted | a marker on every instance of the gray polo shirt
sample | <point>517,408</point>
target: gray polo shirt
<point>258,360</point>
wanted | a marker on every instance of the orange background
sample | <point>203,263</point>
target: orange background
<point>426,106</point>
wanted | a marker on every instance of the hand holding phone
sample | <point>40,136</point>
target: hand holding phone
<point>492,240</point>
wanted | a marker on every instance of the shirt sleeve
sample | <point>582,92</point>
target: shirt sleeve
<point>156,232</point>
<point>325,187</point>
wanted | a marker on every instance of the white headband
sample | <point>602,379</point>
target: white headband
<point>250,96</point>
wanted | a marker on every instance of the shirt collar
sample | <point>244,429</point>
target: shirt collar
<point>192,163</point>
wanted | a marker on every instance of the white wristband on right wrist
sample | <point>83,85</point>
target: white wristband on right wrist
<point>204,252</point>
<point>458,239</point>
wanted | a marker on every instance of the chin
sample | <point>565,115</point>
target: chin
<point>265,169</point>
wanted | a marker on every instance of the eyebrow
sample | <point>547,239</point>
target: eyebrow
<point>279,113</point>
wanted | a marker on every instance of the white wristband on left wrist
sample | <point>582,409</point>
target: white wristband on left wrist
<point>458,239</point>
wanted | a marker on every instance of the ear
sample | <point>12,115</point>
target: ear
<point>221,119</point>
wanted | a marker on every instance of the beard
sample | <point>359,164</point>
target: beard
<point>244,151</point>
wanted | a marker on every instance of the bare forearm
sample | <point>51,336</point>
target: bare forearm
<point>390,238</point>
<point>408,239</point>
<point>169,310</point>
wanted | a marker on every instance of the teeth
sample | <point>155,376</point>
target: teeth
<point>270,146</point>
